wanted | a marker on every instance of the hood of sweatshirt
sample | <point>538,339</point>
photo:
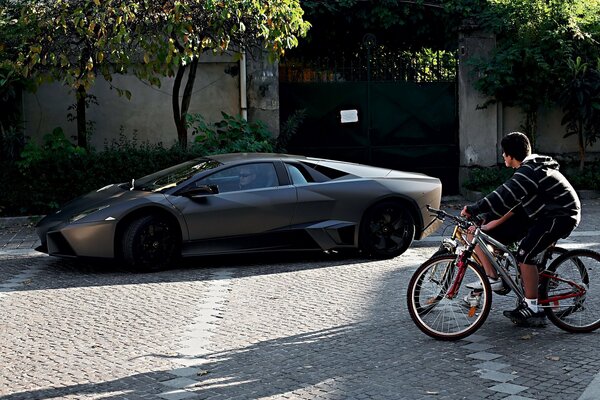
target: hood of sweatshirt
<point>547,161</point>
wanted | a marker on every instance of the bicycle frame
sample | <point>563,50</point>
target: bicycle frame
<point>483,240</point>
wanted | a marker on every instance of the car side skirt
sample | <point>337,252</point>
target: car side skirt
<point>325,235</point>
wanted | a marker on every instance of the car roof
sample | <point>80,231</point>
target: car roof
<point>357,169</point>
<point>229,158</point>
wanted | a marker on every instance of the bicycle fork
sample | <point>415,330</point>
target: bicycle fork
<point>461,265</point>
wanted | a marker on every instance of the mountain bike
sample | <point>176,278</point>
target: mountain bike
<point>441,305</point>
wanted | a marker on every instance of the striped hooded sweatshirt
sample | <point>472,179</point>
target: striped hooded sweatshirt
<point>539,187</point>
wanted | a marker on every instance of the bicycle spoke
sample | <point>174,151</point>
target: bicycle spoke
<point>572,291</point>
<point>434,312</point>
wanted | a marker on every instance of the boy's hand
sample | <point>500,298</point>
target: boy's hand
<point>465,213</point>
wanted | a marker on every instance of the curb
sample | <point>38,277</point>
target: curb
<point>27,219</point>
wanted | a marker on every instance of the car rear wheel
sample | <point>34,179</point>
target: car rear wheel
<point>150,244</point>
<point>386,231</point>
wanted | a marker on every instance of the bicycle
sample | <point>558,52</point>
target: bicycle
<point>442,307</point>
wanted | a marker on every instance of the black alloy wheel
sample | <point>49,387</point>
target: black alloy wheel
<point>150,244</point>
<point>387,230</point>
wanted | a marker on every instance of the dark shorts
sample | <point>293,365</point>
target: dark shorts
<point>535,236</point>
<point>513,229</point>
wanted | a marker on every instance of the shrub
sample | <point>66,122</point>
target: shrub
<point>48,175</point>
<point>588,179</point>
<point>230,135</point>
<point>56,171</point>
<point>485,180</point>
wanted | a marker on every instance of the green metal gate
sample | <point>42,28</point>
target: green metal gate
<point>403,124</point>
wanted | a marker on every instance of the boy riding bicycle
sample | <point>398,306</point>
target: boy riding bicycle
<point>549,209</point>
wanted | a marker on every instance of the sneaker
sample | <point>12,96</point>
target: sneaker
<point>525,316</point>
<point>496,284</point>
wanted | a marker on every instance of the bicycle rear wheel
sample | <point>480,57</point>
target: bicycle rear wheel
<point>570,291</point>
<point>443,317</point>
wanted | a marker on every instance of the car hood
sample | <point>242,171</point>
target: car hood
<point>98,199</point>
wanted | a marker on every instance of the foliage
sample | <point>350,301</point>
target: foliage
<point>74,41</point>
<point>55,171</point>
<point>52,173</point>
<point>409,25</point>
<point>588,179</point>
<point>177,35</point>
<point>230,135</point>
<point>11,136</point>
<point>11,83</point>
<point>535,38</point>
<point>288,129</point>
<point>485,180</point>
<point>580,101</point>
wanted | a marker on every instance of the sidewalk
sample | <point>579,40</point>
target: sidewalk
<point>18,233</point>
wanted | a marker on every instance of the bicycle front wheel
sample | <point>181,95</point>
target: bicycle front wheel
<point>441,305</point>
<point>570,291</point>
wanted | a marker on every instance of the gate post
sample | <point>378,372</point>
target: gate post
<point>263,90</point>
<point>478,127</point>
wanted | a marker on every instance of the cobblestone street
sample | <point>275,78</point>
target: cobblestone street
<point>264,327</point>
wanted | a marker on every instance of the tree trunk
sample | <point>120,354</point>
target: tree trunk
<point>531,127</point>
<point>179,124</point>
<point>180,110</point>
<point>81,118</point>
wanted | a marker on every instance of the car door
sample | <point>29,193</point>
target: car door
<point>322,198</point>
<point>235,211</point>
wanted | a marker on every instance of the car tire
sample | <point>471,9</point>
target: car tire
<point>387,230</point>
<point>150,244</point>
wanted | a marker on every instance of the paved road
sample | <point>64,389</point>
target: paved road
<point>293,327</point>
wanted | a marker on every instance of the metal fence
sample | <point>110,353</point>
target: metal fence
<point>373,64</point>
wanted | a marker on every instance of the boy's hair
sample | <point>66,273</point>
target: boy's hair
<point>516,145</point>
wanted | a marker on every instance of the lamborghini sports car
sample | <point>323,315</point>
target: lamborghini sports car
<point>242,203</point>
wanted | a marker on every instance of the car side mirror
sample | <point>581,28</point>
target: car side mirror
<point>201,191</point>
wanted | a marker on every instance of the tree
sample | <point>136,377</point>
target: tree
<point>12,37</point>
<point>580,101</point>
<point>175,34</point>
<point>535,38</point>
<point>75,40</point>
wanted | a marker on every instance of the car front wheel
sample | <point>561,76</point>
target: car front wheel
<point>386,231</point>
<point>150,244</point>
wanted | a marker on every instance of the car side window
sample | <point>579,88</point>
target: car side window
<point>296,175</point>
<point>243,177</point>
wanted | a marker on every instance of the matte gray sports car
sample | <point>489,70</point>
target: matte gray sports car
<point>240,203</point>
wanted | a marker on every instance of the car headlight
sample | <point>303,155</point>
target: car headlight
<point>85,213</point>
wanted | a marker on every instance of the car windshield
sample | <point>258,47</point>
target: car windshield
<point>173,176</point>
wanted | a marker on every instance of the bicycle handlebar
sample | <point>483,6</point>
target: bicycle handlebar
<point>463,222</point>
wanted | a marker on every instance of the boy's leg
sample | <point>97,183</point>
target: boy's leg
<point>539,237</point>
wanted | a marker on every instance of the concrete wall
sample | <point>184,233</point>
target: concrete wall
<point>263,90</point>
<point>149,112</point>
<point>478,127</point>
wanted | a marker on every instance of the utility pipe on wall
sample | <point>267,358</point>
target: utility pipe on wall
<point>243,93</point>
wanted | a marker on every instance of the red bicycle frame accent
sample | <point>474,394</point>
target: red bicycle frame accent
<point>462,268</point>
<point>580,291</point>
